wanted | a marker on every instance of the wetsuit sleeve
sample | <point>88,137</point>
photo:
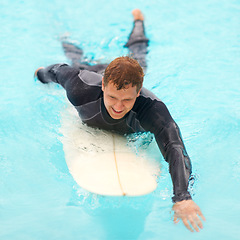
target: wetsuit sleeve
<point>68,78</point>
<point>137,43</point>
<point>58,73</point>
<point>169,140</point>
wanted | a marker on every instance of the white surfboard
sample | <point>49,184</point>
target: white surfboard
<point>104,163</point>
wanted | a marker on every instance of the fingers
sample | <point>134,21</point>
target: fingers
<point>35,74</point>
<point>201,215</point>
<point>195,223</point>
<point>175,219</point>
<point>198,221</point>
<point>185,222</point>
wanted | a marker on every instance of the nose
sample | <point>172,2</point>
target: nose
<point>119,106</point>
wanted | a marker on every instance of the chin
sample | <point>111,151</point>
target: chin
<point>117,117</point>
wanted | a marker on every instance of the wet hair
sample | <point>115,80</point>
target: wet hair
<point>123,71</point>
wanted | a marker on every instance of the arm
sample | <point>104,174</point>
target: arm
<point>58,73</point>
<point>81,86</point>
<point>171,145</point>
<point>67,77</point>
<point>180,169</point>
<point>170,142</point>
<point>155,117</point>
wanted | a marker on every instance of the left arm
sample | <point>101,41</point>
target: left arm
<point>171,145</point>
<point>157,119</point>
<point>169,140</point>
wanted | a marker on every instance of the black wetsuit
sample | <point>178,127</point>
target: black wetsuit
<point>84,91</point>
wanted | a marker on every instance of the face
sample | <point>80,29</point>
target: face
<point>119,102</point>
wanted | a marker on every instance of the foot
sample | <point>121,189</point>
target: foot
<point>137,15</point>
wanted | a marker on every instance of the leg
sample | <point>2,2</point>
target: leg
<point>137,45</point>
<point>137,42</point>
<point>72,52</point>
<point>75,54</point>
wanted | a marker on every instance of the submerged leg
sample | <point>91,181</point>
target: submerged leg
<point>75,54</point>
<point>72,52</point>
<point>137,42</point>
<point>137,45</point>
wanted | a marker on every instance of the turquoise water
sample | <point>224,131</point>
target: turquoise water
<point>194,67</point>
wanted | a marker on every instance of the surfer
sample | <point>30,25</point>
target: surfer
<point>111,97</point>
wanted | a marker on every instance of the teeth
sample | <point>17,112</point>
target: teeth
<point>117,111</point>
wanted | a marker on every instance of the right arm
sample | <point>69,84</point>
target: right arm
<point>58,73</point>
<point>64,75</point>
<point>80,85</point>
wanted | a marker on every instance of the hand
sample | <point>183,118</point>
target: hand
<point>188,211</point>
<point>35,74</point>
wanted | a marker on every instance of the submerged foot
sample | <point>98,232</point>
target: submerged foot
<point>70,48</point>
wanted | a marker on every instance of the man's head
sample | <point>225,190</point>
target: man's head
<point>124,71</point>
<point>122,82</point>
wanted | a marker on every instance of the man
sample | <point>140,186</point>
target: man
<point>118,102</point>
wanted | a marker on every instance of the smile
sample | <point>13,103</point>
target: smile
<point>118,112</point>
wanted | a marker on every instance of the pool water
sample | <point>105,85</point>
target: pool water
<point>193,66</point>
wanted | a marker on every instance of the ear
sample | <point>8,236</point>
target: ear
<point>102,84</point>
<point>139,92</point>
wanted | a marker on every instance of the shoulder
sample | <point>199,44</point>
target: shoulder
<point>90,78</point>
<point>85,88</point>
<point>145,93</point>
<point>151,111</point>
<point>147,100</point>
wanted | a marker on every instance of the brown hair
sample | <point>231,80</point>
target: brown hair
<point>123,71</point>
